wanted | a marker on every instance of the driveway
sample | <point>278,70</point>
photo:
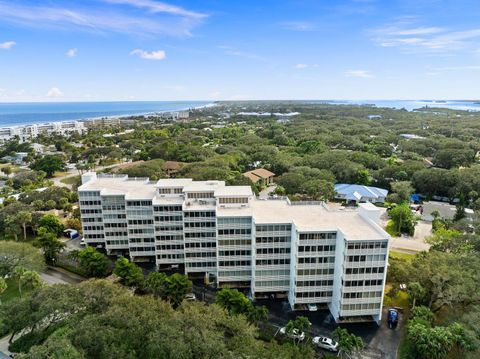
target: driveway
<point>53,275</point>
<point>266,192</point>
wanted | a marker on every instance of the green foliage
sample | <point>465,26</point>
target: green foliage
<point>52,224</point>
<point>237,303</point>
<point>450,240</point>
<point>130,274</point>
<point>348,343</point>
<point>301,323</point>
<point>169,288</point>
<point>401,191</point>
<point>94,263</point>
<point>14,255</point>
<point>49,164</point>
<point>50,245</point>
<point>403,219</point>
<point>194,330</point>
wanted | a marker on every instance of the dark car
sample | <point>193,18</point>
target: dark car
<point>392,318</point>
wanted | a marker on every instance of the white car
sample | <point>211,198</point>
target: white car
<point>325,343</point>
<point>295,334</point>
<point>312,307</point>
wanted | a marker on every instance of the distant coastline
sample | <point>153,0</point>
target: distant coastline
<point>22,114</point>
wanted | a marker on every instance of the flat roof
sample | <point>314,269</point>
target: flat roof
<point>234,191</point>
<point>203,186</point>
<point>110,186</point>
<point>315,218</point>
<point>173,182</point>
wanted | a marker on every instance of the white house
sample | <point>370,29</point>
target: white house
<point>358,193</point>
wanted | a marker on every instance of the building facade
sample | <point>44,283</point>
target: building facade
<point>300,251</point>
<point>27,132</point>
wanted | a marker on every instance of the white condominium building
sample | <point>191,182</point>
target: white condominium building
<point>26,132</point>
<point>302,251</point>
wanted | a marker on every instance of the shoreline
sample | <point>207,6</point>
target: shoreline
<point>109,117</point>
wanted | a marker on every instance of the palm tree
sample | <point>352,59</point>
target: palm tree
<point>24,217</point>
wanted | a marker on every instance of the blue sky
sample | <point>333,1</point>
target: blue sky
<point>100,50</point>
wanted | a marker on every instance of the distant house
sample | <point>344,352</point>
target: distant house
<point>265,177</point>
<point>38,148</point>
<point>445,210</point>
<point>171,168</point>
<point>358,193</point>
<point>411,136</point>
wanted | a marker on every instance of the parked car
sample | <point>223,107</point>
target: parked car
<point>295,334</point>
<point>312,307</point>
<point>325,343</point>
<point>190,296</point>
<point>392,319</point>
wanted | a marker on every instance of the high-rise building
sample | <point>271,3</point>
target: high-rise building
<point>302,251</point>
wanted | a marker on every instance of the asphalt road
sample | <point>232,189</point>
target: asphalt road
<point>53,275</point>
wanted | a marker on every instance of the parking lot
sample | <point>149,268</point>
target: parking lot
<point>380,341</point>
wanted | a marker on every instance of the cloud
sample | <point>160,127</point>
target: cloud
<point>298,26</point>
<point>358,73</point>
<point>71,53</point>
<point>54,92</point>
<point>150,55</point>
<point>100,20</point>
<point>424,39</point>
<point>7,45</point>
<point>159,7</point>
<point>301,66</point>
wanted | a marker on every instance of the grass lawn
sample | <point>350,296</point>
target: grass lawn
<point>400,299</point>
<point>12,291</point>
<point>60,174</point>
<point>401,255</point>
<point>70,180</point>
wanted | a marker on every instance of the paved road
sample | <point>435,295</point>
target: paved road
<point>54,275</point>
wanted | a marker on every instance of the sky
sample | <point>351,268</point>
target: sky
<point>118,50</point>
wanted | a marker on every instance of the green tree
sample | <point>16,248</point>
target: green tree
<point>450,240</point>
<point>403,219</point>
<point>401,191</point>
<point>94,263</point>
<point>130,274</point>
<point>52,224</point>
<point>348,343</point>
<point>50,245</point>
<point>49,164</point>
<point>416,292</point>
<point>301,324</point>
<point>14,254</point>
<point>11,226</point>
<point>26,279</point>
<point>155,284</point>
<point>233,301</point>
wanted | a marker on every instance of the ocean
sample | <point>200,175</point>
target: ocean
<point>15,114</point>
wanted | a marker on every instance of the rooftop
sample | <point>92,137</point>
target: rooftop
<point>234,191</point>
